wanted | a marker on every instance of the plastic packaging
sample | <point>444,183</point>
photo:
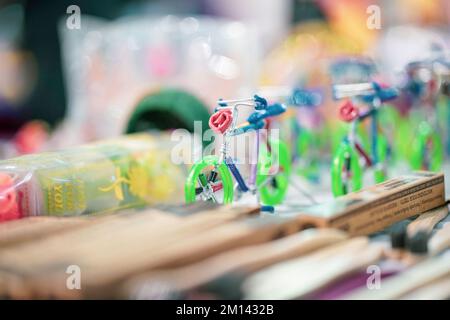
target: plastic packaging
<point>110,65</point>
<point>131,171</point>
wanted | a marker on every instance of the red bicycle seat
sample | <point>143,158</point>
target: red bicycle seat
<point>348,111</point>
<point>220,121</point>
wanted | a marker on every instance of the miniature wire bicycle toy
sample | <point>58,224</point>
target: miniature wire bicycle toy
<point>300,124</point>
<point>424,84</point>
<point>210,179</point>
<point>307,141</point>
<point>346,170</point>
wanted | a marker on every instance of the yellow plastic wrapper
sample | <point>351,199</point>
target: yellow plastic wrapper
<point>131,171</point>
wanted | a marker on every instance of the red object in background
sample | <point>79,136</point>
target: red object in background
<point>161,61</point>
<point>433,86</point>
<point>268,123</point>
<point>31,137</point>
<point>220,121</point>
<point>348,111</point>
<point>383,85</point>
<point>9,209</point>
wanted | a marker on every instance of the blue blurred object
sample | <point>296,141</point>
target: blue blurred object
<point>306,98</point>
<point>384,94</point>
<point>261,103</point>
<point>266,208</point>
<point>352,70</point>
<point>272,110</point>
<point>250,127</point>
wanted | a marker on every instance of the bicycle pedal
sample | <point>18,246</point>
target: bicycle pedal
<point>267,209</point>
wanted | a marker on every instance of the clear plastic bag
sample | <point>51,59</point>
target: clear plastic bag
<point>131,171</point>
<point>110,65</point>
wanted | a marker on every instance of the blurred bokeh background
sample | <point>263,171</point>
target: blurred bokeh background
<point>84,82</point>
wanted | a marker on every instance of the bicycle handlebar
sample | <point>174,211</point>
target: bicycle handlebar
<point>367,91</point>
<point>256,119</point>
<point>251,126</point>
<point>306,98</point>
<point>341,91</point>
<point>259,103</point>
<point>272,110</point>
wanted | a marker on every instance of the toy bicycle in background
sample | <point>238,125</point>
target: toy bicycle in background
<point>361,69</point>
<point>210,179</point>
<point>349,70</point>
<point>445,89</point>
<point>424,85</point>
<point>301,126</point>
<point>308,141</point>
<point>346,171</point>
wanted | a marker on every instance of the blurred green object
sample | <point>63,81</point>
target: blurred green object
<point>427,149</point>
<point>196,174</point>
<point>340,132</point>
<point>168,109</point>
<point>274,191</point>
<point>443,116</point>
<point>346,161</point>
<point>307,142</point>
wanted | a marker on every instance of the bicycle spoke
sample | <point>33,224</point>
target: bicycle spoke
<point>218,186</point>
<point>347,174</point>
<point>209,186</point>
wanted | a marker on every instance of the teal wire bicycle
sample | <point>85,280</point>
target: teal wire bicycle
<point>346,169</point>
<point>424,86</point>
<point>211,178</point>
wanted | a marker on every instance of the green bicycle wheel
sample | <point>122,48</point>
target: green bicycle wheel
<point>196,172</point>
<point>388,115</point>
<point>383,147</point>
<point>390,120</point>
<point>427,149</point>
<point>345,163</point>
<point>443,112</point>
<point>273,189</point>
<point>307,141</point>
<point>403,138</point>
<point>342,131</point>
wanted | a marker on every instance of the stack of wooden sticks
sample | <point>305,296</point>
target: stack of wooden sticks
<point>209,251</point>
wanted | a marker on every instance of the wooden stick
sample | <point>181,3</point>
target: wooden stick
<point>108,236</point>
<point>11,285</point>
<point>33,228</point>
<point>296,278</point>
<point>440,240</point>
<point>194,248</point>
<point>437,290</point>
<point>395,287</point>
<point>426,221</point>
<point>116,247</point>
<point>247,259</point>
